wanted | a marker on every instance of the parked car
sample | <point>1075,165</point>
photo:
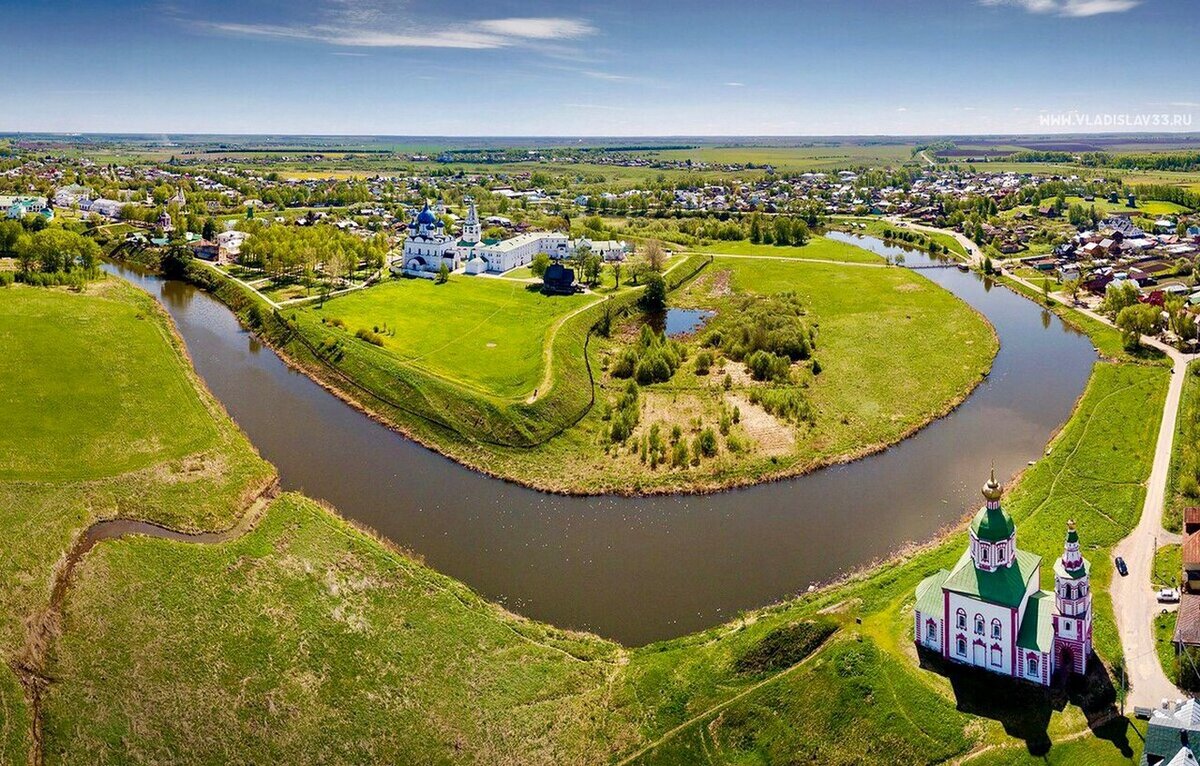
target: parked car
<point>1168,596</point>
<point>1120,562</point>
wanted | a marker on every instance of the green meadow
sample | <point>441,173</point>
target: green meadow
<point>818,248</point>
<point>106,419</point>
<point>484,332</point>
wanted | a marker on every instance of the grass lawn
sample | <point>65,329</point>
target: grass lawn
<point>107,419</point>
<point>1183,484</point>
<point>486,333</point>
<point>1164,632</point>
<point>53,428</point>
<point>818,248</point>
<point>1167,566</point>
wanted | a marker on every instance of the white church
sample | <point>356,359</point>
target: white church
<point>989,611</point>
<point>428,246</point>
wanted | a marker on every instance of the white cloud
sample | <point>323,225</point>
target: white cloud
<point>604,107</point>
<point>1072,8</point>
<point>383,24</point>
<point>604,75</point>
<point>902,109</point>
<point>538,28</point>
<point>736,84</point>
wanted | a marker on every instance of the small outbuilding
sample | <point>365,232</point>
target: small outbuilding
<point>559,280</point>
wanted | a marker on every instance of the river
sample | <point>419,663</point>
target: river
<point>643,569</point>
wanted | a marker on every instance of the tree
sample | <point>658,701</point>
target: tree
<point>1072,287</point>
<point>616,269</point>
<point>209,230</point>
<point>1120,297</point>
<point>540,263</point>
<point>10,233</point>
<point>56,249</point>
<point>654,254</point>
<point>592,263</point>
<point>655,296</point>
<point>1138,320</point>
<point>443,275</point>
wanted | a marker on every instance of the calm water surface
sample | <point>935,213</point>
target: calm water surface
<point>642,569</point>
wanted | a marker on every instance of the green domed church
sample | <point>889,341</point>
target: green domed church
<point>989,611</point>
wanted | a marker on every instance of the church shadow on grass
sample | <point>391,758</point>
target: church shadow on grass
<point>1024,709</point>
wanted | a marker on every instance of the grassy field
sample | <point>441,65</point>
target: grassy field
<point>818,248</point>
<point>877,227</point>
<point>1183,484</point>
<point>483,332</point>
<point>307,641</point>
<point>43,357</point>
<point>108,420</point>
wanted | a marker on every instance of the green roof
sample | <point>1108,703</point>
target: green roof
<point>1037,626</point>
<point>1005,586</point>
<point>929,593</point>
<point>992,525</point>
<point>1074,574</point>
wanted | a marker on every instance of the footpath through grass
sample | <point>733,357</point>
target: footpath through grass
<point>486,333</point>
<point>818,248</point>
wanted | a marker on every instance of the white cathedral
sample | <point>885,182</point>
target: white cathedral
<point>428,246</point>
<point>989,611</point>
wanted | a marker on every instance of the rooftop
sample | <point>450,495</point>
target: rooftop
<point>1005,586</point>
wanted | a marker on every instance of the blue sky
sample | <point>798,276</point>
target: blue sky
<point>603,67</point>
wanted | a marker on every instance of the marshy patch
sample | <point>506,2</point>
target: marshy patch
<point>784,647</point>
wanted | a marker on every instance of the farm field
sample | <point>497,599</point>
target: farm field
<point>484,332</point>
<point>1144,207</point>
<point>797,159</point>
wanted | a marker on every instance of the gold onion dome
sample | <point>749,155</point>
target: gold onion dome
<point>991,490</point>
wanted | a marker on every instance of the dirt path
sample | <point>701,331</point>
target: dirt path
<point>722,705</point>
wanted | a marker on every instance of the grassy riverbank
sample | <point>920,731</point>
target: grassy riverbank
<point>309,641</point>
<point>102,417</point>
<point>895,352</point>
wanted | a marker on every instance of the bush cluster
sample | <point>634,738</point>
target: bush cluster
<point>624,414</point>
<point>652,359</point>
<point>789,404</point>
<point>775,324</point>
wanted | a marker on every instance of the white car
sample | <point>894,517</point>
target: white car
<point>1168,596</point>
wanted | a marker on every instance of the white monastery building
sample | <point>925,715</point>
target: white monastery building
<point>989,610</point>
<point>428,246</point>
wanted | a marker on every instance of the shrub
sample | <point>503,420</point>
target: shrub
<point>707,442</point>
<point>369,336</point>
<point>784,647</point>
<point>789,404</point>
<point>704,361</point>
<point>764,365</point>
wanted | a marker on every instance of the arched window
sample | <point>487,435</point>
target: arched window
<point>932,631</point>
<point>962,619</point>
<point>979,624</point>
<point>995,629</point>
<point>1033,665</point>
<point>997,657</point>
<point>962,646</point>
<point>983,553</point>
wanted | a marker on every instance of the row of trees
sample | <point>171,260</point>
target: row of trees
<point>311,252</point>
